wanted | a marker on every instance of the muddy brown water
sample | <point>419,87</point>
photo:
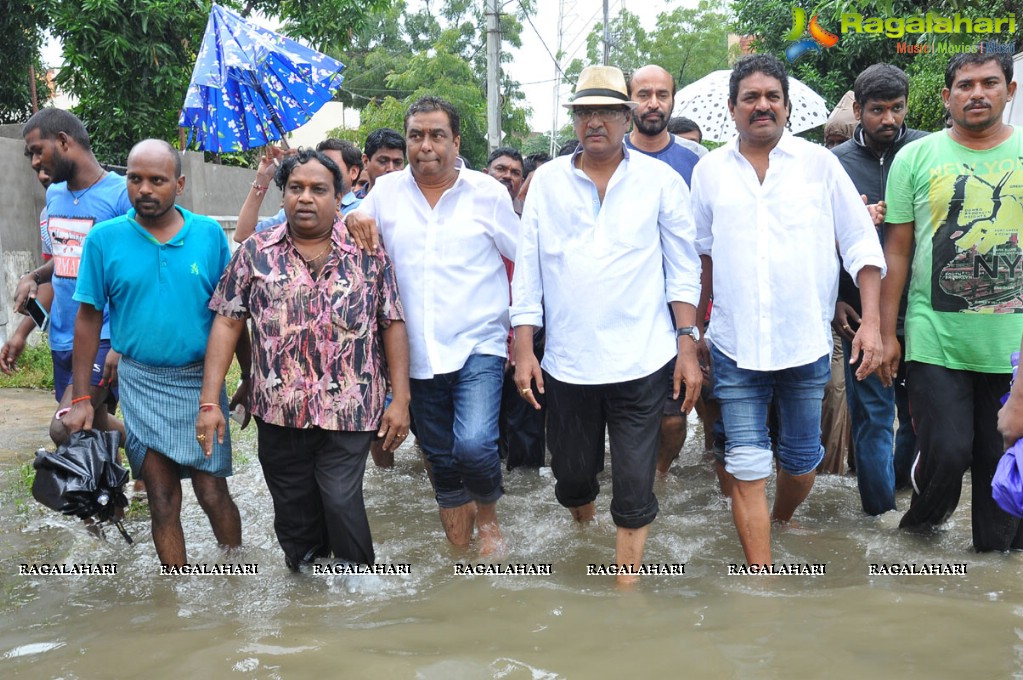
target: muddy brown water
<point>432,623</point>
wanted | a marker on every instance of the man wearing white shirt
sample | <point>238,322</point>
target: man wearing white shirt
<point>446,228</point>
<point>607,239</point>
<point>769,259</point>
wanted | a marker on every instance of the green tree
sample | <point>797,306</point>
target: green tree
<point>691,42</point>
<point>688,42</point>
<point>541,141</point>
<point>925,107</point>
<point>21,24</point>
<point>831,72</point>
<point>128,63</point>
<point>630,43</point>
<point>446,74</point>
<point>380,49</point>
<point>439,49</point>
<point>325,24</point>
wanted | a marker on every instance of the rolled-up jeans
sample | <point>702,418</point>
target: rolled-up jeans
<point>745,397</point>
<point>456,418</point>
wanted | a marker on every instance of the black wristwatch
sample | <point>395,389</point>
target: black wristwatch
<point>691,331</point>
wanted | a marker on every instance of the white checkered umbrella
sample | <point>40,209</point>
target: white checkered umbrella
<point>706,103</point>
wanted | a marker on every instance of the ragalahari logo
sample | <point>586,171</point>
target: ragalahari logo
<point>819,37</point>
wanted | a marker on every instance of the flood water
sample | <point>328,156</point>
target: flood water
<point>432,623</point>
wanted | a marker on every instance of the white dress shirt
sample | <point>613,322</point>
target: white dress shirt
<point>773,249</point>
<point>605,272</point>
<point>447,259</point>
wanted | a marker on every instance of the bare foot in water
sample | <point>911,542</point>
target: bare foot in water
<point>458,522</point>
<point>489,537</point>
<point>626,581</point>
<point>786,524</point>
<point>583,513</point>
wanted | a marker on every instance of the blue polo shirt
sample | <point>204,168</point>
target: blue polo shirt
<point>158,293</point>
<point>681,159</point>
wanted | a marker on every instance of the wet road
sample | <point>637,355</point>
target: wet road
<point>432,623</point>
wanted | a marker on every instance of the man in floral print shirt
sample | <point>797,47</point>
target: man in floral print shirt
<point>326,321</point>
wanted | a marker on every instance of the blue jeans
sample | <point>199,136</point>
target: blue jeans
<point>905,438</point>
<point>456,418</point>
<point>745,398</point>
<point>872,411</point>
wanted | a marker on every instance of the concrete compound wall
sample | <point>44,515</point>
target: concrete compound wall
<point>213,190</point>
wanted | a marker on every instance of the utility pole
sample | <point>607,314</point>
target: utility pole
<point>32,87</point>
<point>493,75</point>
<point>557,82</point>
<point>607,35</point>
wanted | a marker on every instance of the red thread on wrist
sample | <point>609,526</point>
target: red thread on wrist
<point>78,399</point>
<point>208,407</point>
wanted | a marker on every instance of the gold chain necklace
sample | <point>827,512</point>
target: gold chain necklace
<point>310,260</point>
<point>87,189</point>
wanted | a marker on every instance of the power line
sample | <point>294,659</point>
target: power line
<point>542,41</point>
<point>369,99</point>
<point>580,37</point>
<point>540,82</point>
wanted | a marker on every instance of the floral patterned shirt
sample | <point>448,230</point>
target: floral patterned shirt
<point>317,353</point>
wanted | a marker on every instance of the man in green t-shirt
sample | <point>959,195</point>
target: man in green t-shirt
<point>958,196</point>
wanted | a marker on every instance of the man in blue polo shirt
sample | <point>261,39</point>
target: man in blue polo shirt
<point>653,89</point>
<point>156,268</point>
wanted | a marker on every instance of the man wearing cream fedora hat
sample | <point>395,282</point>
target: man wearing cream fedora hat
<point>607,238</point>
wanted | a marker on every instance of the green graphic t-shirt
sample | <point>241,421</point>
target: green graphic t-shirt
<point>966,288</point>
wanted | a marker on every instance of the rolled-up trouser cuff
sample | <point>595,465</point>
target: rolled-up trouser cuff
<point>452,499</point>
<point>488,498</point>
<point>636,518</point>
<point>573,501</point>
<point>800,463</point>
<point>748,463</point>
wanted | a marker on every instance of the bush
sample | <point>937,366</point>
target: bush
<point>35,369</point>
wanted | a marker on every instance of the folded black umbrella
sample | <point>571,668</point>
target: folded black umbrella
<point>83,477</point>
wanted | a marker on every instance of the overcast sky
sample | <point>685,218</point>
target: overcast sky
<point>534,68</point>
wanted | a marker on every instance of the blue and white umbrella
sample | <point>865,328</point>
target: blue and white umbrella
<point>250,86</point>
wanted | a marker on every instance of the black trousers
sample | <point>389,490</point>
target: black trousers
<point>315,480</point>
<point>955,414</point>
<point>522,442</point>
<point>631,411</point>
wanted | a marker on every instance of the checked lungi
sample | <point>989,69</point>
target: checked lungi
<point>160,404</point>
